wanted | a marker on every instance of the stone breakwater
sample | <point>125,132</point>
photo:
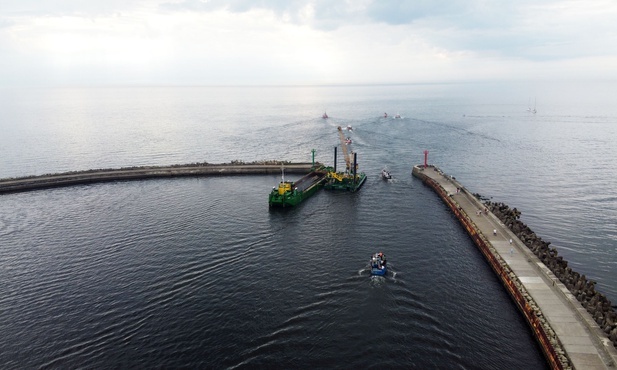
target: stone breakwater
<point>10,185</point>
<point>567,334</point>
<point>598,306</point>
<point>449,190</point>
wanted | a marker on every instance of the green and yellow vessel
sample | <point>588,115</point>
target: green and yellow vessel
<point>350,180</point>
<point>344,181</point>
<point>292,193</point>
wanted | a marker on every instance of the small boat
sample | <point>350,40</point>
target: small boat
<point>385,174</point>
<point>324,115</point>
<point>397,116</point>
<point>348,141</point>
<point>349,128</point>
<point>378,264</point>
<point>534,111</point>
<point>385,115</point>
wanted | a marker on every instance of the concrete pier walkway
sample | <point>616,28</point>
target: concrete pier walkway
<point>553,313</point>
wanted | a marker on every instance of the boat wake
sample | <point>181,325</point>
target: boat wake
<point>390,274</point>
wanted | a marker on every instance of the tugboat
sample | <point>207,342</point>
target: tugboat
<point>385,174</point>
<point>378,264</point>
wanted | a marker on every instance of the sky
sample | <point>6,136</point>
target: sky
<point>304,42</point>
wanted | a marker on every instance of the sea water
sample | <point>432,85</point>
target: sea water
<point>198,272</point>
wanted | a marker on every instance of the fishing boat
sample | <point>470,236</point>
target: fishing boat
<point>378,264</point>
<point>385,174</point>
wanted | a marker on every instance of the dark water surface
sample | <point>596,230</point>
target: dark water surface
<point>198,272</point>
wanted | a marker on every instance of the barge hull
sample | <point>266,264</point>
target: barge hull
<point>296,191</point>
<point>347,184</point>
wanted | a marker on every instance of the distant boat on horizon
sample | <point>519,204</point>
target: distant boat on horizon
<point>324,115</point>
<point>534,106</point>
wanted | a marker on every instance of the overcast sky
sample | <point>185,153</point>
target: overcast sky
<point>242,42</point>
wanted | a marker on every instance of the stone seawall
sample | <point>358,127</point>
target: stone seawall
<point>598,306</point>
<point>559,304</point>
<point>548,341</point>
<point>140,173</point>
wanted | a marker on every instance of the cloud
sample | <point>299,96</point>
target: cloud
<point>535,30</point>
<point>6,23</point>
<point>319,14</point>
<point>406,12</point>
<point>310,41</point>
<point>340,13</point>
<point>23,8</point>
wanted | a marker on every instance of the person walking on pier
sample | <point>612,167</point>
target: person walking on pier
<point>494,231</point>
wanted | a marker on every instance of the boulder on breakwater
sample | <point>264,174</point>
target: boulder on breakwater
<point>598,306</point>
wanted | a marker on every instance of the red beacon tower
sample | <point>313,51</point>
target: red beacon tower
<point>425,158</point>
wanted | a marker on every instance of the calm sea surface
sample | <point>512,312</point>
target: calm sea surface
<point>198,272</point>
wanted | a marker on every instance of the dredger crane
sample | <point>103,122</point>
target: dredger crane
<point>350,180</point>
<point>346,154</point>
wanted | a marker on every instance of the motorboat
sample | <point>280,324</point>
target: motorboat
<point>348,141</point>
<point>397,116</point>
<point>385,174</point>
<point>349,128</point>
<point>378,264</point>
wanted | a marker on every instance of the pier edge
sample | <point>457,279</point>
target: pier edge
<point>546,337</point>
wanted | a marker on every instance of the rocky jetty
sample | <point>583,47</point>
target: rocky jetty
<point>579,285</point>
<point>236,167</point>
